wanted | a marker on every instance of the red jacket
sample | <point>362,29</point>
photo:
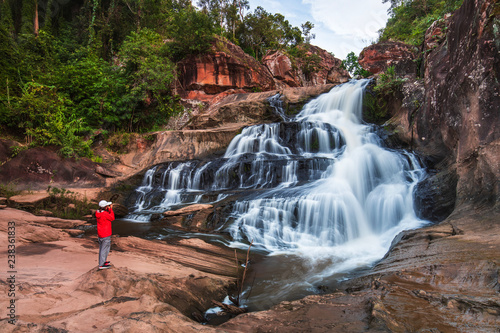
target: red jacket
<point>104,219</point>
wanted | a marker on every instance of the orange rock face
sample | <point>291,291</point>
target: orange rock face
<point>377,57</point>
<point>230,68</point>
<point>281,68</point>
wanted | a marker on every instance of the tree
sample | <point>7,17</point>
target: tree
<point>197,39</point>
<point>351,64</point>
<point>145,56</point>
<point>262,31</point>
<point>306,32</point>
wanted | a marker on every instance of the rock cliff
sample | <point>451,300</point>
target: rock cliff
<point>226,67</point>
<point>226,70</point>
<point>377,58</point>
<point>458,123</point>
<point>315,67</point>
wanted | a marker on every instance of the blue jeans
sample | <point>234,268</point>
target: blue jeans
<point>104,246</point>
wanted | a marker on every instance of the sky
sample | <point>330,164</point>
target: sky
<point>340,26</point>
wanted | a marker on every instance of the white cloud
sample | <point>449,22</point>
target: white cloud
<point>340,26</point>
<point>360,19</point>
<point>347,25</point>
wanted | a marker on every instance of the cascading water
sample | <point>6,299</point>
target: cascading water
<point>330,197</point>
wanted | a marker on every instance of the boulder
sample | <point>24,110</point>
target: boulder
<point>75,232</point>
<point>315,67</point>
<point>436,195</point>
<point>29,200</point>
<point>35,168</point>
<point>120,210</point>
<point>103,171</point>
<point>7,149</point>
<point>378,57</point>
<point>44,212</point>
<point>187,210</point>
<point>280,66</point>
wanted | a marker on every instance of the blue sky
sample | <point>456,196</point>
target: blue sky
<point>341,26</point>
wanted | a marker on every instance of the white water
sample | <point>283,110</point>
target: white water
<point>322,192</point>
<point>344,220</point>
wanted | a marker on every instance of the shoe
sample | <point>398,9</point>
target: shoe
<point>107,264</point>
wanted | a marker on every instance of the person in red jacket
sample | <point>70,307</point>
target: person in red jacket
<point>104,216</point>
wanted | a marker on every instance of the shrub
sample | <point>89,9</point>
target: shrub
<point>44,115</point>
<point>66,204</point>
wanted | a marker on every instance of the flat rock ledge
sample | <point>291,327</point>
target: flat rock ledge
<point>152,286</point>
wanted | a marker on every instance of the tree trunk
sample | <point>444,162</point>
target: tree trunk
<point>36,23</point>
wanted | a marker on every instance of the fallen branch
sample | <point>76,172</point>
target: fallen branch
<point>232,309</point>
<point>244,275</point>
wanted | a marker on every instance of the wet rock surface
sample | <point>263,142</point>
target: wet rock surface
<point>441,278</point>
<point>435,196</point>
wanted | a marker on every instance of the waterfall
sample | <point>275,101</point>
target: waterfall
<point>365,191</point>
<point>320,185</point>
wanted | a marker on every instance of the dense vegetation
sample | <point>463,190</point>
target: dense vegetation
<point>72,69</point>
<point>409,19</point>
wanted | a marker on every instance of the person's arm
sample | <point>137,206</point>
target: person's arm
<point>111,214</point>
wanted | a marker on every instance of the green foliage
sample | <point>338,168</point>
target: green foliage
<point>351,64</point>
<point>118,142</point>
<point>8,190</point>
<point>97,159</point>
<point>409,20</point>
<point>197,40</point>
<point>109,65</point>
<point>375,108</point>
<point>16,150</point>
<point>66,204</point>
<point>262,31</point>
<point>45,116</point>
<point>309,61</point>
<point>388,82</point>
<point>152,73</point>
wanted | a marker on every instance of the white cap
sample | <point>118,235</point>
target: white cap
<point>104,203</point>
